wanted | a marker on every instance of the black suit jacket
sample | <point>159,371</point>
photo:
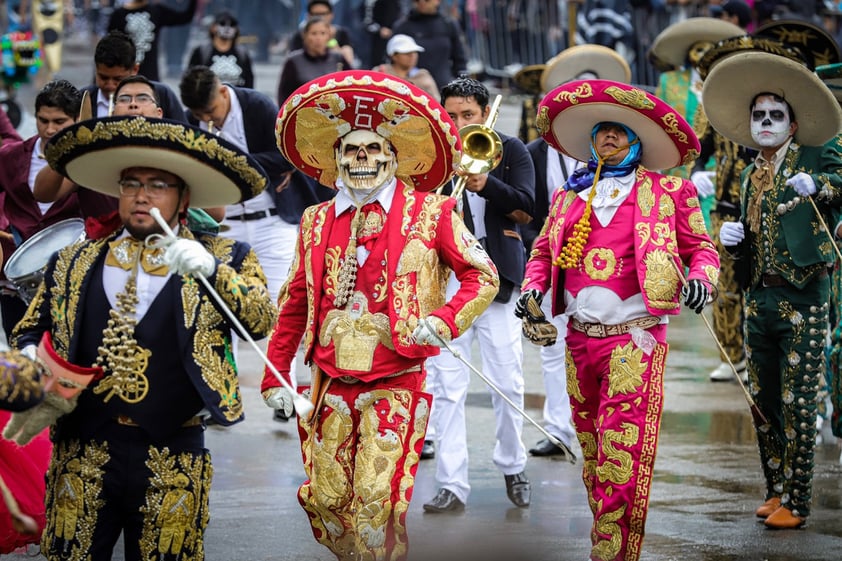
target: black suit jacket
<point>259,116</point>
<point>170,104</point>
<point>510,187</point>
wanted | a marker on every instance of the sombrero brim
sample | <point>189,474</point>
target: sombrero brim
<point>318,114</point>
<point>93,155</point>
<point>831,75</point>
<point>733,83</point>
<point>569,64</point>
<point>528,78</point>
<point>815,43</point>
<point>567,115</point>
<point>671,45</point>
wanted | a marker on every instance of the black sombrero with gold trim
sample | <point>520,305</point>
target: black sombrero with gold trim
<point>94,153</point>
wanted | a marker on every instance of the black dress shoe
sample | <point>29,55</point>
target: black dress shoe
<point>428,451</point>
<point>518,489</point>
<point>546,448</point>
<point>444,501</point>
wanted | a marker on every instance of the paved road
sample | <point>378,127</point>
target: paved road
<point>707,476</point>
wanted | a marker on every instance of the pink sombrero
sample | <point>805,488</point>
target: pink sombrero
<point>313,119</point>
<point>568,113</point>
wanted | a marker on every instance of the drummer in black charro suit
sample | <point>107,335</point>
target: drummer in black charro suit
<point>56,107</point>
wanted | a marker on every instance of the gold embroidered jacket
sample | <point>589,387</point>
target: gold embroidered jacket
<point>426,240</point>
<point>60,301</point>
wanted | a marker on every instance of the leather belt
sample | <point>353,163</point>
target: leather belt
<point>127,421</point>
<point>773,280</point>
<point>257,215</point>
<point>601,330</point>
<point>352,380</point>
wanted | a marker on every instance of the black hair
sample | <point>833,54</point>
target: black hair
<point>310,22</point>
<point>777,98</point>
<point>225,18</point>
<point>198,87</point>
<point>138,79</point>
<point>466,87</point>
<point>116,49</point>
<point>62,95</point>
<point>325,3</point>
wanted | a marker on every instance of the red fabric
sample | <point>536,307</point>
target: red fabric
<point>23,469</point>
<point>97,228</point>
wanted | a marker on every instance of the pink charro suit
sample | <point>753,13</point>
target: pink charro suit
<point>361,447</point>
<point>615,382</point>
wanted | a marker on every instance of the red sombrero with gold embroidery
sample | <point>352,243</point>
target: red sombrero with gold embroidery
<point>567,115</point>
<point>313,119</point>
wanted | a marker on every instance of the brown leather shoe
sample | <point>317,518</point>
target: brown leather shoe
<point>767,508</point>
<point>783,519</point>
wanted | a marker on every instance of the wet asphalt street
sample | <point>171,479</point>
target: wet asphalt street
<point>707,479</point>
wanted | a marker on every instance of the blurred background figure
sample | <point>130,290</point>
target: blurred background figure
<point>403,54</point>
<point>228,60</point>
<point>338,39</point>
<point>378,18</point>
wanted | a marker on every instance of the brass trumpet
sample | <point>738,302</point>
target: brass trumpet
<point>482,149</point>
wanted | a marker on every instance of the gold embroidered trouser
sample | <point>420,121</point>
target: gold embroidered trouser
<point>155,495</point>
<point>616,393</point>
<point>361,453</point>
<point>728,315</point>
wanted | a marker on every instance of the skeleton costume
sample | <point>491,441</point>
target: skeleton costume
<point>129,457</point>
<point>371,267</point>
<point>787,198</point>
<point>611,249</point>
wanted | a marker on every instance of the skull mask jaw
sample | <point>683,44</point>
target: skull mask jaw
<point>365,160</point>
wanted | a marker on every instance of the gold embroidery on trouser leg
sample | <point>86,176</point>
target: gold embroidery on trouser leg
<point>74,488</point>
<point>120,355</point>
<point>176,511</point>
<point>606,524</point>
<point>626,368</point>
<point>617,466</point>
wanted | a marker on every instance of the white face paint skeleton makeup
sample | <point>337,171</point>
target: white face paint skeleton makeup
<point>770,124</point>
<point>365,160</point>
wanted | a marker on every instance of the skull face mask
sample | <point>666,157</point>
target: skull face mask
<point>770,124</point>
<point>697,50</point>
<point>365,160</point>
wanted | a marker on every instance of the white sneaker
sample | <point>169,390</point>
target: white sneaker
<point>723,373</point>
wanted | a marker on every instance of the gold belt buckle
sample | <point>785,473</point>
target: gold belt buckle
<point>595,330</point>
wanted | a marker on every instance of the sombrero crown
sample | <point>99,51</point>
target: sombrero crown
<point>733,83</point>
<point>94,153</point>
<point>318,114</point>
<point>567,115</point>
<point>569,64</point>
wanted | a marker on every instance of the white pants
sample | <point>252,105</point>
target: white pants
<point>273,240</point>
<point>557,414</point>
<point>499,335</point>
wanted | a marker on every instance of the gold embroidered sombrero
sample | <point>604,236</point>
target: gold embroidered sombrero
<point>734,82</point>
<point>817,45</point>
<point>669,49</point>
<point>567,115</point>
<point>528,78</point>
<point>744,44</point>
<point>93,153</point>
<point>313,119</point>
<point>569,64</point>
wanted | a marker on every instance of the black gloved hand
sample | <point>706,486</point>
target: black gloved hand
<point>521,306</point>
<point>695,294</point>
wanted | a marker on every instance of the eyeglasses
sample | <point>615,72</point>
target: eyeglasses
<point>140,99</point>
<point>153,189</point>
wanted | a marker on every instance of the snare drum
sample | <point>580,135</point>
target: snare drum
<point>25,268</point>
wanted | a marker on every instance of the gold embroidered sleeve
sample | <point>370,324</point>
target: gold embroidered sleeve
<point>245,292</point>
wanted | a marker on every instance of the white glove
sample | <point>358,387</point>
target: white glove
<point>802,183</point>
<point>280,398</point>
<point>731,233</point>
<point>188,257</point>
<point>703,180</point>
<point>430,331</point>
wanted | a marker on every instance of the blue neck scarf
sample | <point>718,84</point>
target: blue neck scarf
<point>583,178</point>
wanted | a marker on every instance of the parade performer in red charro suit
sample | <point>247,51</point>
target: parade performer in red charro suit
<point>367,293</point>
<point>613,250</point>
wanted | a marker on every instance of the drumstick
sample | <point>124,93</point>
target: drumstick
<point>20,522</point>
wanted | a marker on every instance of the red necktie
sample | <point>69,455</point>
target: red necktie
<point>371,224</point>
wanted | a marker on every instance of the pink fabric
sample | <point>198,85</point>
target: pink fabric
<point>617,412</point>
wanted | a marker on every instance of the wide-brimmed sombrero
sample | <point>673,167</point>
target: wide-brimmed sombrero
<point>605,63</point>
<point>94,153</point>
<point>744,44</point>
<point>669,49</point>
<point>528,78</point>
<point>831,75</point>
<point>734,82</point>
<point>314,118</point>
<point>816,44</point>
<point>567,115</point>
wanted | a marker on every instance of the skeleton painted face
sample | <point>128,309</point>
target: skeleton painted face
<point>770,124</point>
<point>365,160</point>
<point>697,50</point>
